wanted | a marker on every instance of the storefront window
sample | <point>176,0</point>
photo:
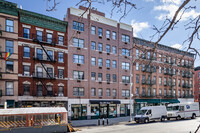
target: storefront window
<point>94,111</point>
<point>112,110</point>
<point>79,111</point>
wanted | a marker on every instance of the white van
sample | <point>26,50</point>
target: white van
<point>151,113</point>
<point>183,110</point>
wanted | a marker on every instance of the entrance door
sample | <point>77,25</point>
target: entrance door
<point>103,112</point>
<point>76,113</point>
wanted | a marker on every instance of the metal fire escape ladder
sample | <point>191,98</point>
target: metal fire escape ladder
<point>46,70</point>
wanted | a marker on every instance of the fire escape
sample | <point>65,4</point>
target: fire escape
<point>149,68</point>
<point>39,75</point>
<point>170,72</point>
<point>0,71</point>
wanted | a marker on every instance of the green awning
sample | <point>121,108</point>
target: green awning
<point>157,101</point>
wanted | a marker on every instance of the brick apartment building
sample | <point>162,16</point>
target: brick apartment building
<point>161,76</point>
<point>196,83</point>
<point>8,43</point>
<point>85,64</point>
<point>43,57</point>
<point>98,65</point>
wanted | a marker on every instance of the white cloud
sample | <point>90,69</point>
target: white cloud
<point>177,46</point>
<point>139,26</point>
<point>169,7</point>
<point>149,0</point>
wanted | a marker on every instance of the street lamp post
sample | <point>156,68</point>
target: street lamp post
<point>130,119</point>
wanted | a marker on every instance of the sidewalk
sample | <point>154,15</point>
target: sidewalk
<point>94,122</point>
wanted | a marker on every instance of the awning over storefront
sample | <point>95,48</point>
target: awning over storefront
<point>105,102</point>
<point>157,101</point>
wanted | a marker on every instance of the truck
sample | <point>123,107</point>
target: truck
<point>151,113</point>
<point>183,110</point>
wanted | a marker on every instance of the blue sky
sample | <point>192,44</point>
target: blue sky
<point>147,14</point>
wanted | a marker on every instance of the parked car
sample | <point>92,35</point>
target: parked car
<point>151,113</point>
<point>183,110</point>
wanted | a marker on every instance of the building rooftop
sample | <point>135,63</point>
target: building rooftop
<point>162,47</point>
<point>197,68</point>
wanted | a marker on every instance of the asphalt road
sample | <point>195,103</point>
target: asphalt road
<point>173,126</point>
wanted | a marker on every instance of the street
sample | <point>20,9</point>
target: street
<point>173,126</point>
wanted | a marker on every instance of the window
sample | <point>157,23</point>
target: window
<point>49,90</point>
<point>100,77</point>
<point>9,88</point>
<point>160,57</point>
<point>78,91</point>
<point>9,25</point>
<point>78,26</point>
<point>114,76</point>
<point>125,52</point>
<point>93,76</point>
<point>137,53</point>
<point>39,36</point>
<point>100,32</point>
<point>108,77</point>
<point>26,70</point>
<point>9,66</point>
<point>165,92</point>
<point>174,81</point>
<point>114,93</point>
<point>26,90</point>
<point>137,91</point>
<point>108,63</point>
<point>100,47</point>
<point>125,79</point>
<point>39,72</point>
<point>165,81</point>
<point>60,73</point>
<point>100,62</point>
<point>114,64</point>
<point>143,91</point>
<point>100,92</point>
<point>39,90</point>
<point>114,35</point>
<point>154,91</point>
<point>148,55</point>
<point>137,78</point>
<point>60,40</point>
<point>78,59</point>
<point>26,33</point>
<point>93,92</point>
<point>125,93</point>
<point>27,52</point>
<point>125,65</point>
<point>93,61</point>
<point>60,91</point>
<point>93,30</point>
<point>50,55</point>
<point>77,42</point>
<point>108,92</point>
<point>39,54</point>
<point>49,37</point>
<point>149,92</point>
<point>60,57</point>
<point>107,34</point>
<point>50,72</point>
<point>125,38</point>
<point>93,46</point>
<point>9,46</point>
<point>79,75</point>
<point>137,66</point>
<point>160,80</point>
<point>107,48</point>
<point>160,69</point>
<point>114,49</point>
<point>143,78</point>
<point>160,92</point>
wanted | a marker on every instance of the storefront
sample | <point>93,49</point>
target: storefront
<point>124,110</point>
<point>24,104</point>
<point>103,108</point>
<point>79,112</point>
<point>139,103</point>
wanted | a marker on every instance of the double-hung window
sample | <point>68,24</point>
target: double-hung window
<point>78,59</point>
<point>9,25</point>
<point>77,42</point>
